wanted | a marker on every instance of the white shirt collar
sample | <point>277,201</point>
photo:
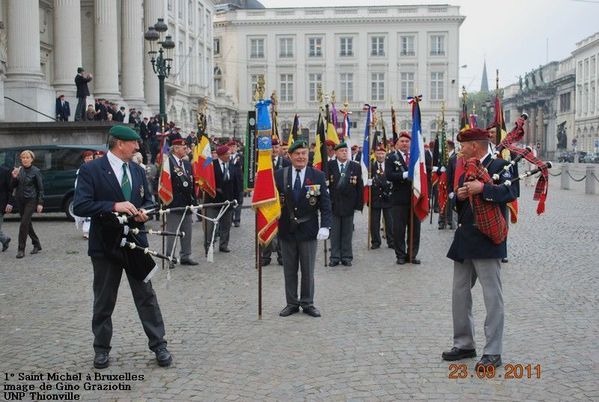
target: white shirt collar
<point>346,163</point>
<point>116,164</point>
<point>302,174</point>
<point>485,157</point>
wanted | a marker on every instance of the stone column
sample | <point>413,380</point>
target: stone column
<point>106,72</point>
<point>153,9</point>
<point>23,41</point>
<point>132,55</point>
<point>67,45</point>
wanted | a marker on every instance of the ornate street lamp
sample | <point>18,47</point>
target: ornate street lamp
<point>161,62</point>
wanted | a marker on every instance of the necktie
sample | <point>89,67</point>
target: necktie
<point>297,185</point>
<point>182,167</point>
<point>342,168</point>
<point>226,172</point>
<point>407,158</point>
<point>126,184</point>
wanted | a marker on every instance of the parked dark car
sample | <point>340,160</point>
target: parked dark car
<point>569,156</point>
<point>58,164</point>
<point>591,158</point>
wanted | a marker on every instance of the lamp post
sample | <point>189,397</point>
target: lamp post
<point>161,62</point>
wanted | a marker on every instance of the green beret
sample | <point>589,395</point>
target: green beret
<point>124,133</point>
<point>340,145</point>
<point>297,145</point>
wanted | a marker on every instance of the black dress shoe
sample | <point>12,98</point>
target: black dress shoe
<point>265,263</point>
<point>280,261</point>
<point>311,311</point>
<point>171,265</point>
<point>375,246</point>
<point>5,245</point>
<point>188,261</point>
<point>488,360</point>
<point>333,263</point>
<point>236,224</point>
<point>163,357</point>
<point>346,263</point>
<point>504,260</point>
<point>20,254</point>
<point>415,261</point>
<point>390,246</point>
<point>224,250</point>
<point>101,360</point>
<point>401,261</point>
<point>288,310</point>
<point>36,249</point>
<point>458,354</point>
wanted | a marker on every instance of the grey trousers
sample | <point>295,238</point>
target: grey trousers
<point>464,277</point>
<point>302,255</point>
<point>342,232</point>
<point>3,237</point>
<point>107,278</point>
<point>224,227</point>
<point>172,221</point>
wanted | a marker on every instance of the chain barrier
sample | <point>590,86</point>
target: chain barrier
<point>555,175</point>
<point>577,180</point>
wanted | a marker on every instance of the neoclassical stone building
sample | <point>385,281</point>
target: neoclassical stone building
<point>367,54</point>
<point>42,42</point>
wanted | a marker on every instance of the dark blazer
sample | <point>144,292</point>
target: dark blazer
<point>119,116</point>
<point>381,188</point>
<point>357,157</point>
<point>395,166</point>
<point>468,241</point>
<point>281,163</point>
<point>237,164</point>
<point>98,190</point>
<point>451,163</point>
<point>347,192</point>
<point>183,186</point>
<point>308,229</point>
<point>225,190</point>
<point>62,111</point>
<point>82,89</point>
<point>5,188</point>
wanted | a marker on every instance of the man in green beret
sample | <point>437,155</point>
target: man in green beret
<point>113,184</point>
<point>346,188</point>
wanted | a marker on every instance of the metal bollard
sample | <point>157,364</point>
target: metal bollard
<point>589,185</point>
<point>565,178</point>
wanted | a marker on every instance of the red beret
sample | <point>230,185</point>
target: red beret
<point>178,141</point>
<point>406,135</point>
<point>275,141</point>
<point>99,153</point>
<point>330,143</point>
<point>381,147</point>
<point>473,134</point>
<point>231,143</point>
<point>285,144</point>
<point>450,143</point>
<point>354,147</point>
<point>223,149</point>
<point>85,154</point>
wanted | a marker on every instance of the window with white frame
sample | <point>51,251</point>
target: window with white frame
<point>437,45</point>
<point>564,102</point>
<point>315,47</point>
<point>257,48</point>
<point>217,46</point>
<point>286,88</point>
<point>285,47</point>
<point>253,85</point>
<point>181,8</point>
<point>314,79</point>
<point>592,96</point>
<point>190,12</point>
<point>437,86</point>
<point>346,86</point>
<point>377,86</point>
<point>218,76</point>
<point>406,44</point>
<point>346,46</point>
<point>407,85</point>
<point>377,46</point>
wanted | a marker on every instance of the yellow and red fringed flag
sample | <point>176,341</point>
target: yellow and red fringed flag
<point>265,199</point>
<point>320,154</point>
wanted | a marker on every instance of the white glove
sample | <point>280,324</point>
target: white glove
<point>405,175</point>
<point>451,195</point>
<point>443,169</point>
<point>369,182</point>
<point>323,234</point>
<point>435,168</point>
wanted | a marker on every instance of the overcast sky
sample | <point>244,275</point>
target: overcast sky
<point>515,36</point>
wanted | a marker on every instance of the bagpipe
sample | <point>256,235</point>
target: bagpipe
<point>508,143</point>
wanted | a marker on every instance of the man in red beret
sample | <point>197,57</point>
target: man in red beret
<point>476,256</point>
<point>356,154</point>
<point>226,190</point>
<point>330,150</point>
<point>183,195</point>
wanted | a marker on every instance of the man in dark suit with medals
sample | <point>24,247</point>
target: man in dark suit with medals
<point>396,171</point>
<point>183,195</point>
<point>475,255</point>
<point>346,188</point>
<point>303,193</point>
<point>380,198</point>
<point>113,184</point>
<point>225,176</point>
<point>278,162</point>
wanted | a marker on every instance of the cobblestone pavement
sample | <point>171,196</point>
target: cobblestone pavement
<point>382,332</point>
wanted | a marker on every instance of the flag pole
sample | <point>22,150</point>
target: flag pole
<point>323,162</point>
<point>259,95</point>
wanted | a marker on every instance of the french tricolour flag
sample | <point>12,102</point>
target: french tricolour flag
<point>365,161</point>
<point>417,168</point>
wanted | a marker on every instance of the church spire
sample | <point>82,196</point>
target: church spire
<point>484,84</point>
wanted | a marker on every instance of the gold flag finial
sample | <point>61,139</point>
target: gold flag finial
<point>319,93</point>
<point>464,93</point>
<point>260,84</point>
<point>201,115</point>
<point>333,97</point>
